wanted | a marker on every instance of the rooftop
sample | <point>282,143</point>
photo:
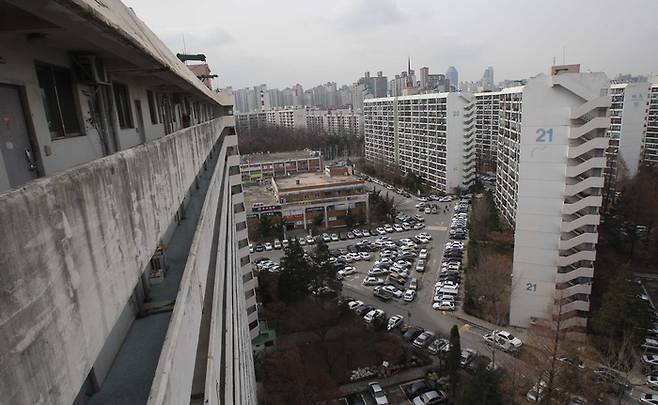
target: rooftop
<point>258,194</point>
<point>307,180</point>
<point>279,156</point>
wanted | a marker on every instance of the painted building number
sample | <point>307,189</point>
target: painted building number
<point>542,133</point>
<point>531,287</point>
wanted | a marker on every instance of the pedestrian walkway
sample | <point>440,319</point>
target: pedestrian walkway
<point>397,379</point>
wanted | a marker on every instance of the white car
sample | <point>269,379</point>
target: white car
<point>444,306</point>
<point>334,237</point>
<point>445,199</point>
<point>285,243</point>
<point>649,399</point>
<point>428,210</point>
<point>430,397</point>
<point>394,322</point>
<point>268,246</point>
<point>503,339</point>
<point>277,244</point>
<point>365,256</point>
<point>346,271</point>
<point>355,304</point>
<point>378,393</point>
<point>419,225</point>
<point>376,271</point>
<point>355,256</point>
<point>650,359</point>
<point>652,380</point>
<point>434,197</point>
<point>389,228</point>
<point>423,254</point>
<point>398,228</point>
<point>370,280</point>
<point>326,237</point>
<point>365,233</point>
<point>397,293</point>
<point>420,266</point>
<point>422,199</point>
<point>425,235</point>
<point>409,295</point>
<point>381,231</point>
<point>251,248</point>
<point>310,240</point>
<point>372,315</point>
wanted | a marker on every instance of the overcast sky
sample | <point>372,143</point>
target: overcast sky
<point>283,42</point>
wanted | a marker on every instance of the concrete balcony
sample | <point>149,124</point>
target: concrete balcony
<point>589,255</point>
<point>591,125</point>
<point>585,288</point>
<point>575,306</point>
<point>596,143</point>
<point>574,274</point>
<point>590,201</point>
<point>592,163</point>
<point>590,182</point>
<point>591,105</point>
<point>580,221</point>
<point>566,244</point>
<point>574,322</point>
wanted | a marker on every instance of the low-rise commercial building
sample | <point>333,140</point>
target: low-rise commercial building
<point>259,166</point>
<point>431,135</point>
<point>550,163</point>
<point>310,200</point>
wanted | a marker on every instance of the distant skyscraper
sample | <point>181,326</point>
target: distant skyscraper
<point>424,77</point>
<point>488,78</point>
<point>453,77</point>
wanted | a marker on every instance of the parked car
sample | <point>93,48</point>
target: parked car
<point>398,228</point>
<point>251,248</point>
<point>430,398</point>
<point>424,339</point>
<point>277,244</point>
<point>389,228</point>
<point>365,256</point>
<point>397,293</point>
<point>378,393</point>
<point>373,314</point>
<point>409,295</point>
<point>649,399</point>
<point>353,305</point>
<point>420,265</point>
<point>310,240</point>
<point>268,246</point>
<point>260,248</point>
<point>444,305</point>
<point>504,340</point>
<point>413,284</point>
<point>368,281</point>
<point>411,333</point>
<point>350,235</point>
<point>423,254</point>
<point>436,346</point>
<point>466,357</point>
<point>394,322</point>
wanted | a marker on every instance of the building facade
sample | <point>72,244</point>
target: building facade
<point>487,111</point>
<point>550,164</point>
<point>628,113</point>
<point>453,77</point>
<point>650,144</point>
<point>431,135</point>
<point>259,166</point>
<point>321,200</point>
<point>136,286</point>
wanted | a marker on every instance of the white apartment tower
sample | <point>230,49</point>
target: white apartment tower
<point>551,159</point>
<point>650,144</point>
<point>431,135</point>
<point>627,128</point>
<point>487,110</point>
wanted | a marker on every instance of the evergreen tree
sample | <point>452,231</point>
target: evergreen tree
<point>325,272</point>
<point>296,274</point>
<point>454,355</point>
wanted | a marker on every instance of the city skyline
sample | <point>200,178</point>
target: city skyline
<point>363,35</point>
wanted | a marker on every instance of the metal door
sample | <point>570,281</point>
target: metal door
<point>140,121</point>
<point>17,152</point>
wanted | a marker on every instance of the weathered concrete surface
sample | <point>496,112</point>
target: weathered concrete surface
<point>173,377</point>
<point>72,248</point>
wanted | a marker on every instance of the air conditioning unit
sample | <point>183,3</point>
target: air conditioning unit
<point>89,68</point>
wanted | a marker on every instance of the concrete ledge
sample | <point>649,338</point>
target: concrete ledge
<point>74,246</point>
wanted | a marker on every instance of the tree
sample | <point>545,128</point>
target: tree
<point>296,275</point>
<point>454,356</point>
<point>349,220</point>
<point>325,271</point>
<point>483,388</point>
<point>623,316</point>
<point>264,226</point>
<point>488,287</point>
<point>318,221</point>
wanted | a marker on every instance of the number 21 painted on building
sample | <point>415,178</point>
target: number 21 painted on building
<point>541,134</point>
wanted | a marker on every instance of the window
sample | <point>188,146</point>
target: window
<point>253,325</point>
<point>247,277</point>
<point>152,109</point>
<point>250,293</point>
<point>122,100</point>
<point>240,226</point>
<point>59,102</point>
<point>244,260</point>
<point>251,310</point>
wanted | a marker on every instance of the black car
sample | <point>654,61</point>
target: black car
<point>260,248</point>
<point>364,309</point>
<point>342,236</point>
<point>417,388</point>
<point>412,333</point>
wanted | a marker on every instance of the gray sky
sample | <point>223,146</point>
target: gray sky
<point>282,42</point>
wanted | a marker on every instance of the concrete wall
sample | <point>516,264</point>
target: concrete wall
<point>173,378</point>
<point>90,231</point>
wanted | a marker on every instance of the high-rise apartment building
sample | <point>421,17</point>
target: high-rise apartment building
<point>424,77</point>
<point>487,81</point>
<point>626,133</point>
<point>650,144</point>
<point>453,77</point>
<point>431,135</point>
<point>550,163</point>
<point>487,111</point>
<point>125,265</point>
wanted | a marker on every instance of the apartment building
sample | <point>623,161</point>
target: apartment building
<point>431,135</point>
<point>331,122</point>
<point>125,260</point>
<point>335,122</point>
<point>250,121</point>
<point>487,110</point>
<point>627,130</point>
<point>550,163</point>
<point>650,144</point>
<point>259,166</point>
